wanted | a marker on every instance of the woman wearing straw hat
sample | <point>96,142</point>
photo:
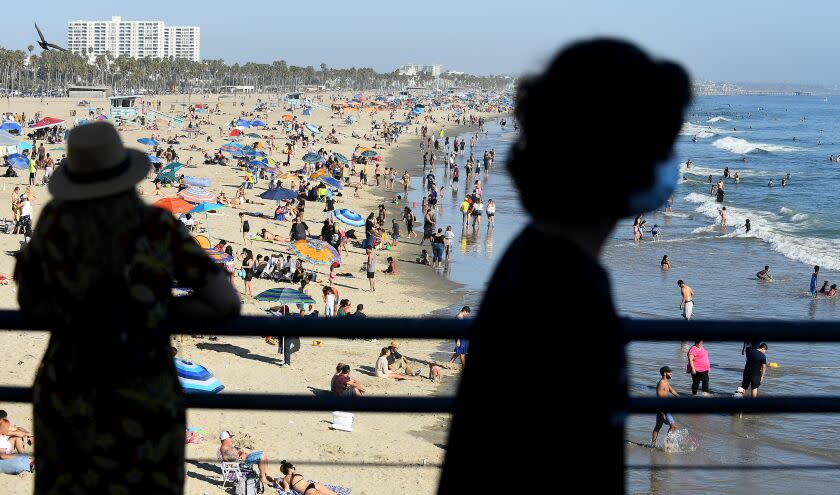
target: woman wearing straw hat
<point>99,271</point>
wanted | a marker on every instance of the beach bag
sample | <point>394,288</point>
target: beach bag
<point>241,273</point>
<point>246,486</point>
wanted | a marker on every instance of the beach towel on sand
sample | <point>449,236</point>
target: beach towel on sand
<point>340,490</point>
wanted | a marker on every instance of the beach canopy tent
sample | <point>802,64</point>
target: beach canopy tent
<point>46,122</point>
<point>284,295</point>
<point>315,251</point>
<point>279,194</point>
<point>196,379</point>
<point>235,132</point>
<point>11,127</point>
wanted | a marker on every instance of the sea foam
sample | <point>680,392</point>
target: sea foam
<point>742,146</point>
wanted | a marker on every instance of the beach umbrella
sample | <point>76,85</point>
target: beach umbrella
<point>330,181</point>
<point>258,123</point>
<point>218,256</point>
<point>349,217</point>
<point>341,158</point>
<point>174,166</point>
<point>235,132</point>
<point>284,295</point>
<point>313,128</point>
<point>196,379</point>
<point>253,135</point>
<point>46,122</point>
<point>287,118</point>
<point>204,207</point>
<point>258,164</point>
<point>10,127</point>
<point>369,154</point>
<point>243,123</point>
<point>196,195</point>
<point>234,144</point>
<point>312,157</point>
<point>168,176</point>
<point>279,194</point>
<point>260,154</point>
<point>153,159</point>
<point>315,251</point>
<point>174,205</point>
<point>148,141</point>
<point>17,160</point>
<point>25,145</point>
<point>202,241</point>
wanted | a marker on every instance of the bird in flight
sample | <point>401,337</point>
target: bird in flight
<point>43,43</point>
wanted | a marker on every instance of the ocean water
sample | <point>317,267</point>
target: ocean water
<point>793,228</point>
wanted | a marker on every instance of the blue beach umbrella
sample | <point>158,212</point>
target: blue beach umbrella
<point>260,154</point>
<point>148,141</point>
<point>313,128</point>
<point>24,145</point>
<point>196,379</point>
<point>307,111</point>
<point>279,194</point>
<point>234,144</point>
<point>349,217</point>
<point>11,127</point>
<point>174,167</point>
<point>204,207</point>
<point>284,295</point>
<point>258,123</point>
<point>312,157</point>
<point>154,159</point>
<point>17,160</point>
<point>341,158</point>
<point>258,164</point>
<point>330,181</point>
<point>243,123</point>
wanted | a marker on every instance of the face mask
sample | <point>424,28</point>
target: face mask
<point>666,175</point>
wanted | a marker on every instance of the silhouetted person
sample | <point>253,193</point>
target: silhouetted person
<point>552,268</point>
<point>99,270</point>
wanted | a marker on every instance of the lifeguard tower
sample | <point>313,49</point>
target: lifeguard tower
<point>126,107</point>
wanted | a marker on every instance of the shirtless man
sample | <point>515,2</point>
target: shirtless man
<point>687,302</point>
<point>663,390</point>
<point>764,274</point>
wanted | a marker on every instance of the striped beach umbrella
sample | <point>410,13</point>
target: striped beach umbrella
<point>315,251</point>
<point>196,195</point>
<point>196,379</point>
<point>218,256</point>
<point>349,217</point>
<point>284,295</point>
<point>312,157</point>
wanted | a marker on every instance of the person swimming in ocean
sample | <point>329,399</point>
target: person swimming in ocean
<point>747,225</point>
<point>770,183</point>
<point>656,233</point>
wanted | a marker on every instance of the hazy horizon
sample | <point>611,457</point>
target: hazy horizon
<point>750,40</point>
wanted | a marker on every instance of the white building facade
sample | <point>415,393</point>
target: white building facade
<point>136,39</point>
<point>433,70</point>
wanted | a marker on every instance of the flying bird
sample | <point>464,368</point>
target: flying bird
<point>43,43</point>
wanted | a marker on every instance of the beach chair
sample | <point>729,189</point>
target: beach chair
<point>231,471</point>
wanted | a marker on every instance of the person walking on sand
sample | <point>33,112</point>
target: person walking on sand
<point>371,267</point>
<point>698,367</point>
<point>764,274</point>
<point>663,391</point>
<point>687,301</point>
<point>245,227</point>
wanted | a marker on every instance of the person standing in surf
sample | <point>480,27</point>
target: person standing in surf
<point>663,391</point>
<point>687,302</point>
<point>814,277</point>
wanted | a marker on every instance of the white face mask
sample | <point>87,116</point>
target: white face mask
<point>666,175</point>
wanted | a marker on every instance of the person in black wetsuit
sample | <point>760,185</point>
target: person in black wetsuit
<point>578,85</point>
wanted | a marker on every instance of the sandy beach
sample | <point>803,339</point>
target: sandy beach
<point>389,451</point>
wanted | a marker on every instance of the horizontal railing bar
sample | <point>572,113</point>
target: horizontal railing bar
<point>715,405</point>
<point>283,402</point>
<point>736,467</point>
<point>733,331</point>
<point>354,464</point>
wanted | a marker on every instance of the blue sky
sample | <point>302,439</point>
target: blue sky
<point>743,40</point>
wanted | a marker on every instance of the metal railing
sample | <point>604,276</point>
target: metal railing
<point>434,328</point>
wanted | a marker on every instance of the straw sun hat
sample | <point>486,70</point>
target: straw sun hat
<point>97,165</point>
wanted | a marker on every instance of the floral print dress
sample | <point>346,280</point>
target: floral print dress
<point>109,412</point>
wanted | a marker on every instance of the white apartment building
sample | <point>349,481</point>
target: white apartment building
<point>433,70</point>
<point>137,39</point>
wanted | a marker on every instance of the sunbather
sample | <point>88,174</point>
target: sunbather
<point>268,236</point>
<point>234,454</point>
<point>293,480</point>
